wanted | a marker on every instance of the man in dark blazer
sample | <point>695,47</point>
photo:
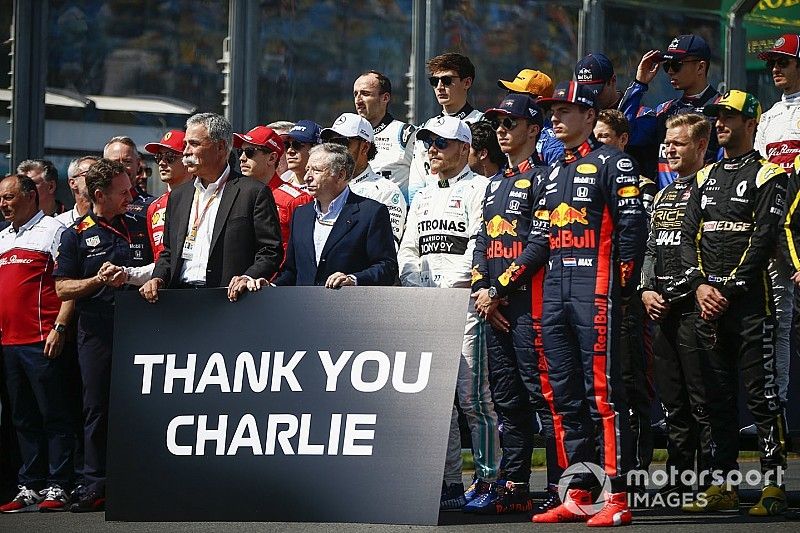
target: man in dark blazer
<point>340,238</point>
<point>221,228</point>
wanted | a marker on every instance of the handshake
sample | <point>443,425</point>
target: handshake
<point>112,275</point>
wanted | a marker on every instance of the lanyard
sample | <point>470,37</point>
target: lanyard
<point>112,229</point>
<point>199,217</point>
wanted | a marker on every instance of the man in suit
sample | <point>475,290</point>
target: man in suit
<point>222,228</point>
<point>340,238</point>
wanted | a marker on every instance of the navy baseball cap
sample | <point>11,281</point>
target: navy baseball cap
<point>518,106</point>
<point>594,69</point>
<point>688,45</point>
<point>305,131</point>
<point>572,92</point>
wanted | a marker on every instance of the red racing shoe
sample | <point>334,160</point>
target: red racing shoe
<point>569,510</point>
<point>615,512</point>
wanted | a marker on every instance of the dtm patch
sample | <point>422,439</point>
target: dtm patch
<point>443,244</point>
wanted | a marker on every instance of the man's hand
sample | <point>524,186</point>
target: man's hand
<point>339,279</point>
<point>487,309</point>
<point>112,275</point>
<point>498,321</point>
<point>149,290</point>
<point>254,285</point>
<point>54,344</point>
<point>796,278</point>
<point>655,305</point>
<point>648,67</point>
<point>237,286</point>
<point>712,302</point>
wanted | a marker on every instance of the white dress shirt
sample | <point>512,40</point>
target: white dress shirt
<point>208,199</point>
<point>325,221</point>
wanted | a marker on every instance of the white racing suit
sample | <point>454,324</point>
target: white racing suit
<point>436,251</point>
<point>370,185</point>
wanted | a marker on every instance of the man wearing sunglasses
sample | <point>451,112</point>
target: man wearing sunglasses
<point>594,245</point>
<point>356,134</point>
<point>168,153</point>
<point>686,62</point>
<point>451,77</point>
<point>436,251</point>
<point>296,143</point>
<point>778,140</point>
<point>260,150</point>
<point>538,85</point>
<point>729,232</point>
<point>507,293</point>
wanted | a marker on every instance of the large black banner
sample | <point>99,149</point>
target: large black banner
<point>292,404</point>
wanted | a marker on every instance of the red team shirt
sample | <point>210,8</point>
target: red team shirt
<point>29,304</point>
<point>287,199</point>
<point>156,214</point>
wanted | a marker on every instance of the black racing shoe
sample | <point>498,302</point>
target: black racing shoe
<point>551,501</point>
<point>90,502</point>
<point>452,497</point>
<point>509,498</point>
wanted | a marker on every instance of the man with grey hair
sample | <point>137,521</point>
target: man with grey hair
<point>349,236</point>
<point>281,127</point>
<point>76,173</point>
<point>45,175</point>
<point>222,228</point>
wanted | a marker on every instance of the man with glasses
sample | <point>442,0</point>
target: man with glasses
<point>372,93</point>
<point>123,149</point>
<point>356,134</point>
<point>296,143</point>
<point>437,252</point>
<point>76,174</point>
<point>507,295</point>
<point>260,150</point>
<point>538,85</point>
<point>686,62</point>
<point>451,76</point>
<point>778,140</point>
<point>168,154</point>
<point>729,232</point>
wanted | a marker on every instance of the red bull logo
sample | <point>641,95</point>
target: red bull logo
<point>496,249</point>
<point>542,214</point>
<point>568,239</point>
<point>564,215</point>
<point>513,272</point>
<point>499,226</point>
<point>476,274</point>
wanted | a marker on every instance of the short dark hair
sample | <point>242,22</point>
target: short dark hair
<point>25,184</point>
<point>384,85</point>
<point>100,175</point>
<point>47,168</point>
<point>484,137</point>
<point>452,61</point>
<point>615,120</point>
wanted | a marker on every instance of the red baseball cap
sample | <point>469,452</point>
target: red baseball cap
<point>260,136</point>
<point>787,44</point>
<point>172,140</point>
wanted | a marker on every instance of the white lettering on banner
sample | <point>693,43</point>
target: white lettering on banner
<point>215,373</point>
<point>282,429</point>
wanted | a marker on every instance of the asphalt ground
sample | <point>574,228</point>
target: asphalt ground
<point>653,520</point>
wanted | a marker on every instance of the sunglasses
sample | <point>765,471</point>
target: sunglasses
<point>446,80</point>
<point>439,142</point>
<point>780,62</point>
<point>675,64</point>
<point>508,123</point>
<point>294,145</point>
<point>250,151</point>
<point>167,158</point>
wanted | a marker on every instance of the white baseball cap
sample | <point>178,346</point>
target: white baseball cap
<point>350,125</point>
<point>447,127</point>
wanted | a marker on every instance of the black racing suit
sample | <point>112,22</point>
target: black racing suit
<point>597,235</point>
<point>502,259</point>
<point>636,361</point>
<point>728,234</point>
<point>679,370</point>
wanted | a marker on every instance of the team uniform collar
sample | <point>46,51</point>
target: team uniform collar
<point>582,150</point>
<point>443,184</point>
<point>461,113</point>
<point>385,121</point>
<point>364,175</point>
<point>704,95</point>
<point>29,224</point>
<point>735,163</point>
<point>793,98</point>
<point>525,166</point>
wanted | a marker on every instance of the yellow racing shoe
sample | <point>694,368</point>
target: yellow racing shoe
<point>771,503</point>
<point>716,498</point>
